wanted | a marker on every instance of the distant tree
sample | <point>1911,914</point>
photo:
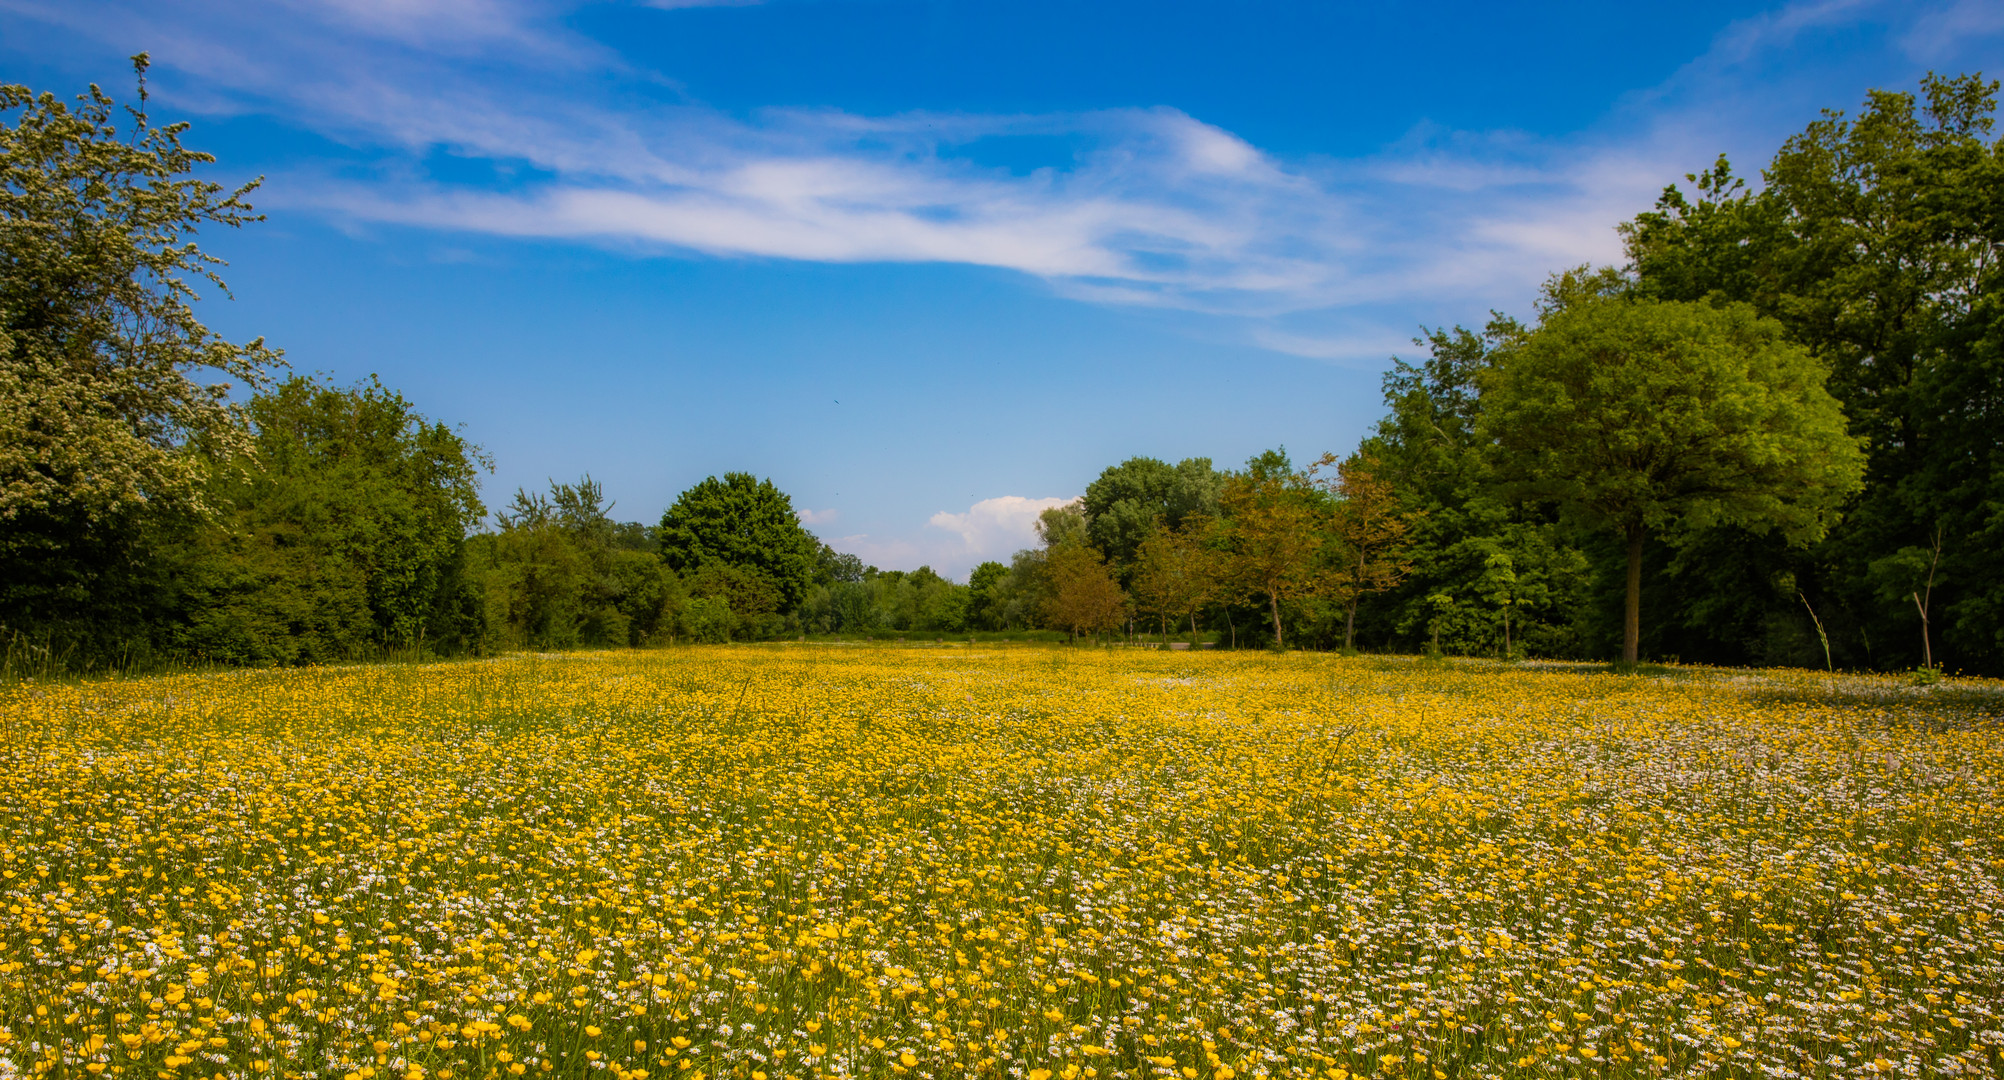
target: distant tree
<point>1176,572</point>
<point>746,524</point>
<point>986,596</point>
<point>1081,595</point>
<point>1273,535</point>
<point>1430,448</point>
<point>1369,527</point>
<point>562,573</point>
<point>1635,415</point>
<point>834,566</point>
<point>1123,505</point>
<point>749,596</point>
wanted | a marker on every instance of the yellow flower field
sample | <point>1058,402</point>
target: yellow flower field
<point>793,862</point>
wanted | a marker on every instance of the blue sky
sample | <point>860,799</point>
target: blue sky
<point>931,266</point>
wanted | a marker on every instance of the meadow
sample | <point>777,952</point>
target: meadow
<point>782,863</point>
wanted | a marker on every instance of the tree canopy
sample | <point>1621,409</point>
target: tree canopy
<point>1878,242</point>
<point>100,347</point>
<point>1637,415</point>
<point>1124,503</point>
<point>746,524</point>
<point>1273,535</point>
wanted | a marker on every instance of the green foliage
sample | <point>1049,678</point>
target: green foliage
<point>986,597</point>
<point>1273,536</point>
<point>1177,572</point>
<point>341,541</point>
<point>1082,597</point>
<point>1636,415</point>
<point>1875,241</point>
<point>1463,532</point>
<point>918,600</point>
<point>1641,414</point>
<point>106,437</point>
<point>561,573</point>
<point>747,525</point>
<point>1123,505</point>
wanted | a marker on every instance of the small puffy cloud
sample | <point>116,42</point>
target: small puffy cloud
<point>953,544</point>
<point>995,528</point>
<point>818,517</point>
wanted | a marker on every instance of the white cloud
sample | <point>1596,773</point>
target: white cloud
<point>818,517</point>
<point>995,528</point>
<point>954,543</point>
<point>1778,29</point>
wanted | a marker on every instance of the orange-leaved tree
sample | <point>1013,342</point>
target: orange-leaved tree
<point>1369,528</point>
<point>1176,572</point>
<point>1273,534</point>
<point>1080,593</point>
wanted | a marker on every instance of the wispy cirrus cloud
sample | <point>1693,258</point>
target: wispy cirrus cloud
<point>1145,206</point>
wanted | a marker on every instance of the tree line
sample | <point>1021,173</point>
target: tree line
<point>1771,437</point>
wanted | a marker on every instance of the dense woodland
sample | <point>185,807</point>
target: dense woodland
<point>1772,437</point>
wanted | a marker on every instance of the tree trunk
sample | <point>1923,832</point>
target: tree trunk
<point>1631,622</point>
<point>1350,626</point>
<point>1274,601</point>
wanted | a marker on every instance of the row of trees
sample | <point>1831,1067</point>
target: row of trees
<point>1773,433</point>
<point>1872,245</point>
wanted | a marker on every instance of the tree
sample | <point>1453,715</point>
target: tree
<point>1065,524</point>
<point>1369,528</point>
<point>562,573</point>
<point>1176,572</point>
<point>747,524</point>
<point>107,438</point>
<point>1081,595</point>
<point>986,599</point>
<point>99,343</point>
<point>1273,535</point>
<point>1123,505</point>
<point>1429,448</point>
<point>742,600</point>
<point>1877,240</point>
<point>1637,415</point>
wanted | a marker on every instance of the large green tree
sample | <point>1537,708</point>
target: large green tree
<point>1636,415</point>
<point>100,348</point>
<point>1878,241</point>
<point>746,524</point>
<point>1124,503</point>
